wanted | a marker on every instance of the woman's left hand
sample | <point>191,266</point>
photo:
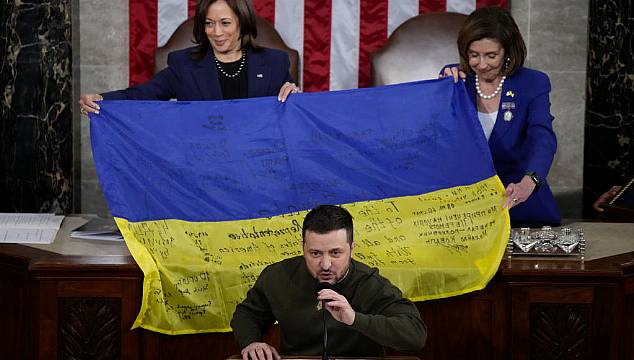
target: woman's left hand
<point>518,192</point>
<point>286,90</point>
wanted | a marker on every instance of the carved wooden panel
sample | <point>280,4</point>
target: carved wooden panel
<point>469,326</point>
<point>559,331</point>
<point>89,328</point>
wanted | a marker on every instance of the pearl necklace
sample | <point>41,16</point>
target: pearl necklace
<point>487,97</point>
<point>223,72</point>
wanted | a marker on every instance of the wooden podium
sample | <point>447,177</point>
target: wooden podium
<point>77,299</point>
<point>238,357</point>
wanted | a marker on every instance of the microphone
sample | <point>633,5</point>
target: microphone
<point>321,286</point>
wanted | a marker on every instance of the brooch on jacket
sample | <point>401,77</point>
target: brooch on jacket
<point>508,106</point>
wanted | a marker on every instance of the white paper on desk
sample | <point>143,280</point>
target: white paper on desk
<point>29,228</point>
<point>30,221</point>
<point>28,236</point>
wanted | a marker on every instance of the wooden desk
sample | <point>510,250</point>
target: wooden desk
<point>78,299</point>
<point>238,357</point>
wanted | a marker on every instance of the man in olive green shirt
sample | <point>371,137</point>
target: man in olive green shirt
<point>367,312</point>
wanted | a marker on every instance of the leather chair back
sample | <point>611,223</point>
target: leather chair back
<point>267,37</point>
<point>418,49</point>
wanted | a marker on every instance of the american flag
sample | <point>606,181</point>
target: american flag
<point>334,38</point>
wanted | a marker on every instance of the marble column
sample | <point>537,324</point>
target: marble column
<point>609,125</point>
<point>36,143</point>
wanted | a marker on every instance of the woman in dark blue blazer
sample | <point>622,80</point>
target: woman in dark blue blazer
<point>514,110</point>
<point>224,65</point>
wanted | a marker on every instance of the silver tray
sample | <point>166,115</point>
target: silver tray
<point>547,241</point>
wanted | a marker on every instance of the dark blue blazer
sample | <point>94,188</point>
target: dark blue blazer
<point>524,143</point>
<point>185,79</point>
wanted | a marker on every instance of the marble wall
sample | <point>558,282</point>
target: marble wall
<point>555,33</point>
<point>36,140</point>
<point>609,126</point>
<point>103,50</point>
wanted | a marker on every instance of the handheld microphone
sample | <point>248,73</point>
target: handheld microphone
<point>321,286</point>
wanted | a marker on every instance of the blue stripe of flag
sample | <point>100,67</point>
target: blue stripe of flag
<point>240,159</point>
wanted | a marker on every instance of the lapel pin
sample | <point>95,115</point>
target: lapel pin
<point>508,115</point>
<point>510,93</point>
<point>259,75</point>
<point>508,105</point>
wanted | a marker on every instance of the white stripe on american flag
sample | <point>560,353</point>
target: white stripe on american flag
<point>289,22</point>
<point>171,13</point>
<point>399,11</point>
<point>461,6</point>
<point>344,44</point>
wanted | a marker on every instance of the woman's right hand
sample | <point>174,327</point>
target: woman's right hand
<point>287,89</point>
<point>605,198</point>
<point>87,103</point>
<point>454,72</point>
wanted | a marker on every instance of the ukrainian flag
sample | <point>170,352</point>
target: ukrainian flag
<point>207,194</point>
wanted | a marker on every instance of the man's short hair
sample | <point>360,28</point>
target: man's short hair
<point>326,218</point>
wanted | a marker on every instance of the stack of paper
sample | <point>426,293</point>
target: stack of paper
<point>29,228</point>
<point>98,229</point>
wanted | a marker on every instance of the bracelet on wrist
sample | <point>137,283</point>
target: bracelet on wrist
<point>533,176</point>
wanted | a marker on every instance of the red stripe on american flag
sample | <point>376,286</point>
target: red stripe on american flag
<point>430,6</point>
<point>485,3</point>
<point>143,19</point>
<point>191,7</point>
<point>265,9</point>
<point>317,28</point>
<point>373,34</point>
<point>143,16</point>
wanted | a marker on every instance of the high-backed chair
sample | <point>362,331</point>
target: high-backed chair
<point>267,37</point>
<point>418,49</point>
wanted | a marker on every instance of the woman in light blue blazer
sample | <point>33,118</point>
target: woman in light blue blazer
<point>513,106</point>
<point>224,65</point>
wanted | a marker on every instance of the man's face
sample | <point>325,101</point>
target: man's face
<point>327,255</point>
